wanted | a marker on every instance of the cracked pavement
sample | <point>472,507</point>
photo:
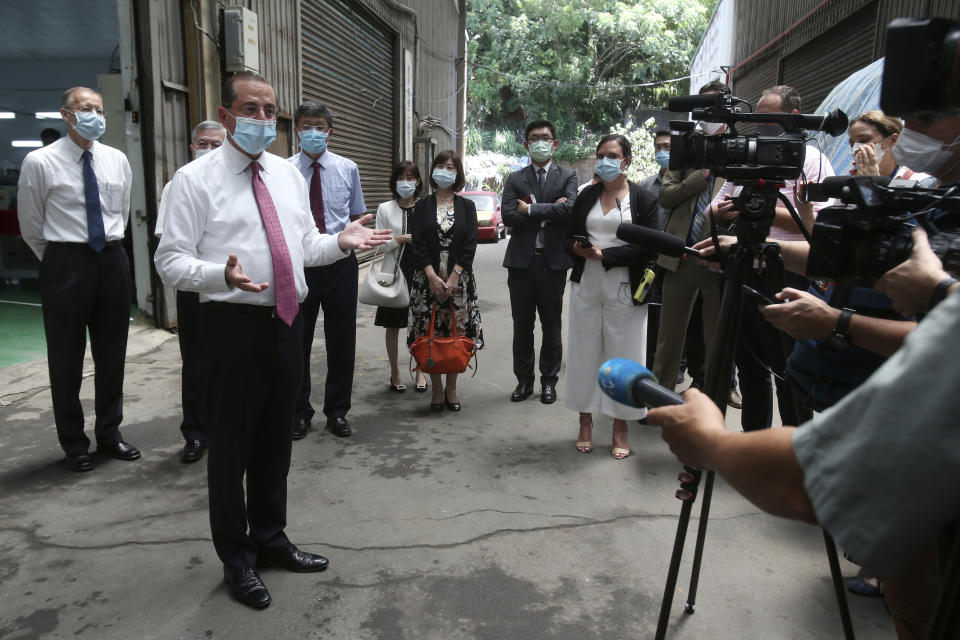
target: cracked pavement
<point>484,524</point>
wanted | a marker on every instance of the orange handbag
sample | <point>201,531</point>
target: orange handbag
<point>443,355</point>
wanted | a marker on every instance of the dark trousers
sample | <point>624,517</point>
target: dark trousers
<point>333,288</point>
<point>760,351</point>
<point>537,290</point>
<point>694,349</point>
<point>251,365</point>
<point>82,290</point>
<point>191,377</point>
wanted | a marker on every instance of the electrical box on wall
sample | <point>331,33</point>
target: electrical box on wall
<point>241,37</point>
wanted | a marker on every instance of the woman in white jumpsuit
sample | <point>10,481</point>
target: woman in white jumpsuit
<point>605,320</point>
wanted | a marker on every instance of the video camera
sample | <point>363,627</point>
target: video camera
<point>775,153</point>
<point>869,234</point>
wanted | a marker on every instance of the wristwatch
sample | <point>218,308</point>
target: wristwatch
<point>458,271</point>
<point>840,338</point>
<point>940,292</point>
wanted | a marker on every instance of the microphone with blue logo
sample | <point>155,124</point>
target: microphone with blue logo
<point>632,384</point>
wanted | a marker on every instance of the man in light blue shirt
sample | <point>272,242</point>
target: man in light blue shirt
<point>335,196</point>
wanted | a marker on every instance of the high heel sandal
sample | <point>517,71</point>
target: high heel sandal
<point>452,406</point>
<point>586,446</point>
<point>397,388</point>
<point>420,388</point>
<point>619,453</point>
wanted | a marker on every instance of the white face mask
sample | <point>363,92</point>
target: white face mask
<point>712,128</point>
<point>922,153</point>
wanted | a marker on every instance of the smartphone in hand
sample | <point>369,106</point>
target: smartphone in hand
<point>583,241</point>
<point>752,294</point>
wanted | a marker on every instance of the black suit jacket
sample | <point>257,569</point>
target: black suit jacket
<point>643,210</point>
<point>560,182</point>
<point>424,231</point>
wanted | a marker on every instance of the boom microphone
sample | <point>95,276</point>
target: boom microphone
<point>632,384</point>
<point>658,241</point>
<point>682,104</point>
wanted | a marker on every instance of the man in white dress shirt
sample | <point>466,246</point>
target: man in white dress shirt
<point>73,202</point>
<point>333,183</point>
<point>235,212</point>
<point>206,136</point>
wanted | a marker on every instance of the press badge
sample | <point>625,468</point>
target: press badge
<point>641,293</point>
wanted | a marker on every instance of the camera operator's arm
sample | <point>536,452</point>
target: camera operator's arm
<point>760,465</point>
<point>675,190</point>
<point>912,283</point>
<point>783,220</point>
<point>793,252</point>
<point>807,316</point>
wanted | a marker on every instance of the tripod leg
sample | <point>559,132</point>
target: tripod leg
<point>701,539</point>
<point>838,586</point>
<point>674,569</point>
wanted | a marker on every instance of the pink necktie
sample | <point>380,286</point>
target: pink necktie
<point>316,198</point>
<point>284,286</point>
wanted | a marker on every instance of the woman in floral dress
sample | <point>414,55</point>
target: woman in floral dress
<point>444,236</point>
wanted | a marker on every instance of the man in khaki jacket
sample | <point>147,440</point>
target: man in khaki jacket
<point>687,194</point>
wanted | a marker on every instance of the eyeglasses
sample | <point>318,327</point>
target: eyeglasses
<point>252,110</point>
<point>99,112</point>
<point>540,139</point>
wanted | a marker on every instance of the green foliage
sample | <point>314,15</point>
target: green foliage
<point>568,60</point>
<point>641,143</point>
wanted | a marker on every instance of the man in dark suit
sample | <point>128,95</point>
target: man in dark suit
<point>536,204</point>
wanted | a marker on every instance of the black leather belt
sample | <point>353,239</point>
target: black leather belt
<point>110,243</point>
<point>246,309</point>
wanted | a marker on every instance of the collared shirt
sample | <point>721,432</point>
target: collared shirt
<point>211,213</point>
<point>340,179</point>
<point>162,207</point>
<point>816,167</point>
<point>50,193</point>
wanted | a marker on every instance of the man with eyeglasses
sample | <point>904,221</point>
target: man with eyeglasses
<point>333,183</point>
<point>239,232</point>
<point>536,204</point>
<point>73,204</point>
<point>206,136</point>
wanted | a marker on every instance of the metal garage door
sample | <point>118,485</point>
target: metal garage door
<point>348,65</point>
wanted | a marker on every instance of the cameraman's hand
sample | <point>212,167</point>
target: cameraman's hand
<point>708,252</point>
<point>724,210</point>
<point>911,283</point>
<point>692,430</point>
<point>804,316</point>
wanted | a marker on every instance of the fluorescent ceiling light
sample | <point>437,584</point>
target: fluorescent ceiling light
<point>7,115</point>
<point>44,115</point>
<point>26,143</point>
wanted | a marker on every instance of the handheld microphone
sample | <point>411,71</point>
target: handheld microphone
<point>658,241</point>
<point>632,384</point>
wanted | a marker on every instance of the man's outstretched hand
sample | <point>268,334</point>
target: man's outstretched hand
<point>357,236</point>
<point>235,277</point>
<point>692,429</point>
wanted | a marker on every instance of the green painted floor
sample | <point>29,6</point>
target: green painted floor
<point>21,325</point>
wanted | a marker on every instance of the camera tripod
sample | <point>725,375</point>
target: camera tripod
<point>751,259</point>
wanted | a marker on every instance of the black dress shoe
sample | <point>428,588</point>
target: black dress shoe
<point>293,559</point>
<point>548,395</point>
<point>79,462</point>
<point>120,450</point>
<point>437,407</point>
<point>300,428</point>
<point>452,406</point>
<point>192,451</point>
<point>522,392</point>
<point>339,427</point>
<point>247,587</point>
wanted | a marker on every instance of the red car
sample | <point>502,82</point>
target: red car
<point>489,224</point>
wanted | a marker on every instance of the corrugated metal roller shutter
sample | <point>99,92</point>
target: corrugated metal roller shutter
<point>816,67</point>
<point>348,65</point>
<point>749,83</point>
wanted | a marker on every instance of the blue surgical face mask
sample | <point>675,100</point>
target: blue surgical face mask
<point>313,141</point>
<point>406,188</point>
<point>201,152</point>
<point>663,158</point>
<point>608,168</point>
<point>90,124</point>
<point>254,136</point>
<point>444,178</point>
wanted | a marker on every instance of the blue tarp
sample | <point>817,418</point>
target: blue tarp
<point>858,93</point>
